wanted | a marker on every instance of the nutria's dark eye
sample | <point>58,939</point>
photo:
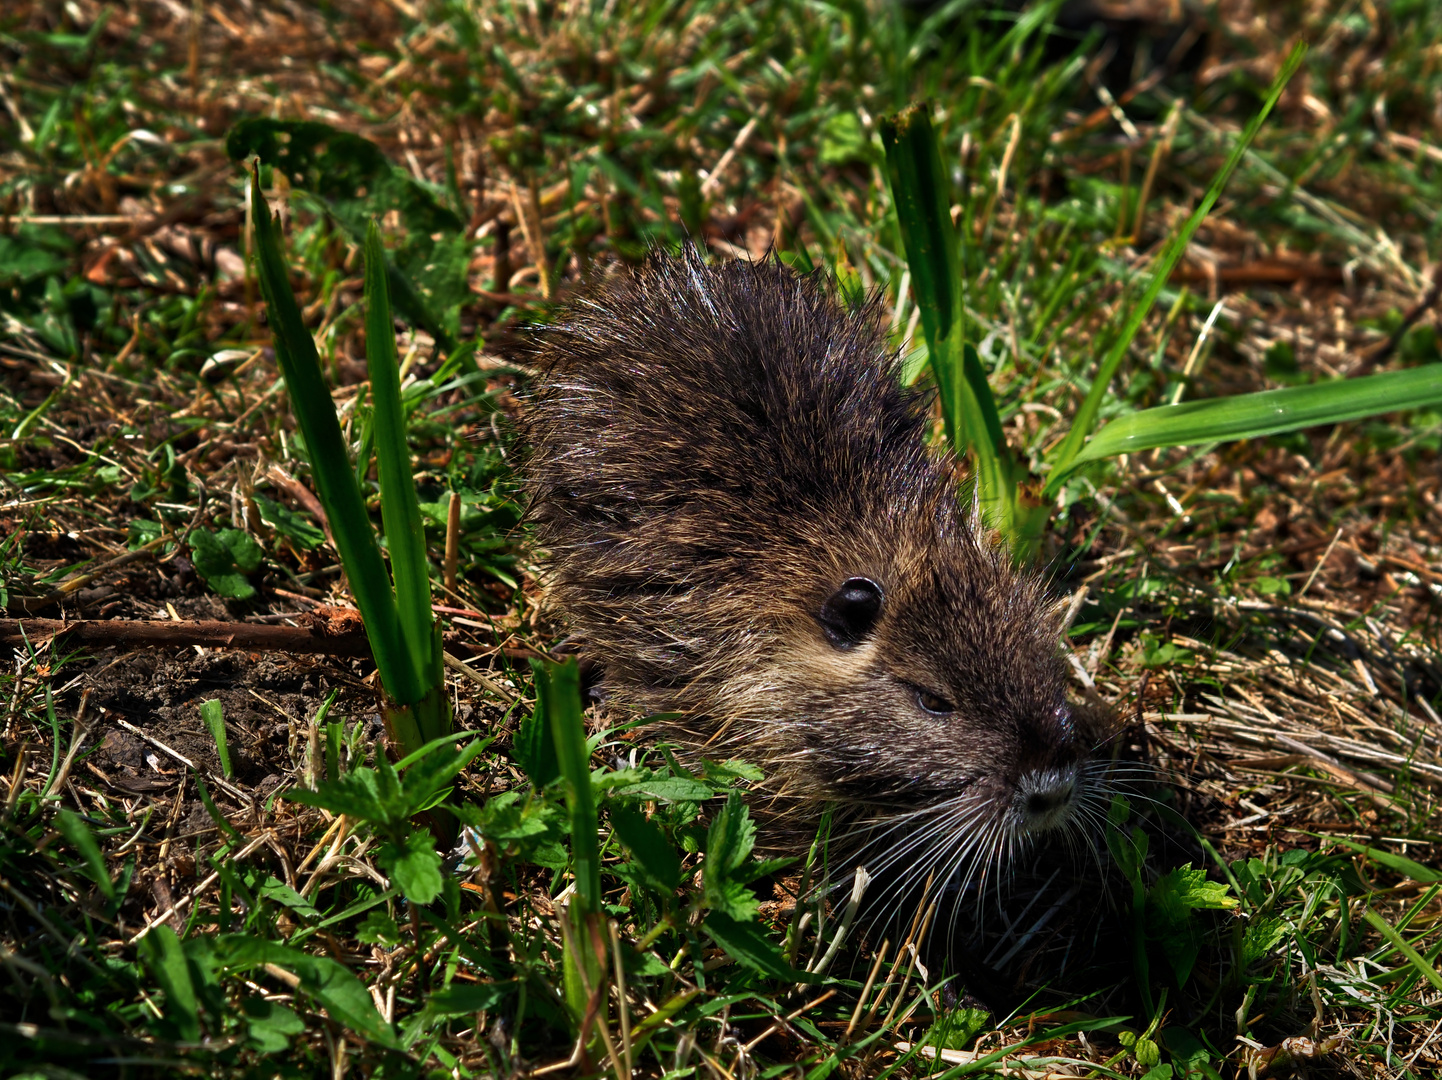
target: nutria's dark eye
<point>934,703</point>
<point>849,613</point>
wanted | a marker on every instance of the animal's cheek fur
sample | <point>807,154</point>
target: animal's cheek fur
<point>854,732</point>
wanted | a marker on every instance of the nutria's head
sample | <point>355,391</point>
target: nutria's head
<point>922,683</point>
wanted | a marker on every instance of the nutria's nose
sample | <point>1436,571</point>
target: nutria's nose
<point>1045,798</point>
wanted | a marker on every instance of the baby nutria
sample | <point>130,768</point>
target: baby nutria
<point>746,528</point>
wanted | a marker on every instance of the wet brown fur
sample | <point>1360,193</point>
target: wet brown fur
<point>714,449</point>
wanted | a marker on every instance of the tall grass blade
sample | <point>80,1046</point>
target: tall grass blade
<point>919,193</point>
<point>1086,416</point>
<point>335,482</point>
<point>400,510</point>
<point>558,699</point>
<point>1268,412</point>
<point>923,212</point>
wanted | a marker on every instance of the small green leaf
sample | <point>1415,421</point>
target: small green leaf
<point>732,836</point>
<point>1170,920</point>
<point>163,955</point>
<point>843,140</point>
<point>213,716</point>
<point>723,772</point>
<point>74,829</point>
<point>744,942</point>
<point>1279,363</point>
<point>224,559</point>
<point>378,928</point>
<point>414,866</point>
<point>295,528</point>
<point>647,843</point>
<point>1186,1050</point>
<point>356,795</point>
<point>275,889</point>
<point>1272,586</point>
<point>667,789</point>
<point>463,999</point>
<point>328,982</point>
<point>728,844</point>
<point>534,749</point>
<point>517,822</point>
<point>270,1024</point>
<point>1260,938</point>
<point>142,532</point>
<point>31,255</point>
<point>428,776</point>
<point>1185,888</point>
<point>512,816</point>
<point>243,549</point>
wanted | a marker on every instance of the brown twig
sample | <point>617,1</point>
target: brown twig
<point>453,541</point>
<point>320,637</point>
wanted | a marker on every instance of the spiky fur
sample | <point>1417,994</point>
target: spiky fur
<point>713,450</point>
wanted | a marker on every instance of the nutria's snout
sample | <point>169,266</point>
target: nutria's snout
<point>1049,790</point>
<point>1045,799</point>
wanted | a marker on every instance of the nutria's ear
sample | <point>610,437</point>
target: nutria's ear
<point>849,613</point>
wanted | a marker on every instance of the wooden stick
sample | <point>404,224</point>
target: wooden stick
<point>160,633</point>
<point>453,541</point>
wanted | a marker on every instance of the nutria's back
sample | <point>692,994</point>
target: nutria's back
<point>746,526</point>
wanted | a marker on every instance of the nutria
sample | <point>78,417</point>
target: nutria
<point>746,527</point>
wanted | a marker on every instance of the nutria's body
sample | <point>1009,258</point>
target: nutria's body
<point>746,527</point>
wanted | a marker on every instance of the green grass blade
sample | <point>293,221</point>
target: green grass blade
<point>558,699</point>
<point>212,712</point>
<point>335,482</point>
<point>1086,416</point>
<point>919,193</point>
<point>72,826</point>
<point>1398,942</point>
<point>558,690</point>
<point>1414,870</point>
<point>923,212</point>
<point>165,957</point>
<point>400,510</point>
<point>1268,412</point>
